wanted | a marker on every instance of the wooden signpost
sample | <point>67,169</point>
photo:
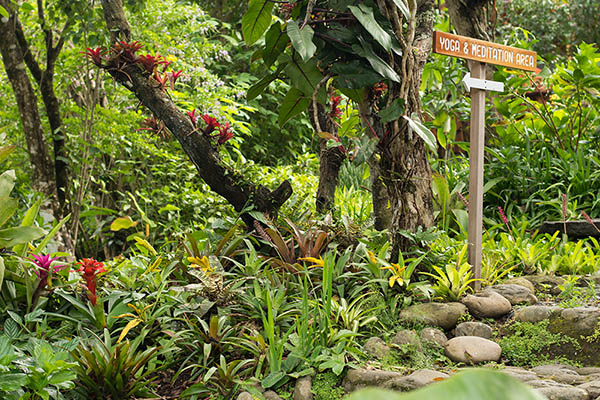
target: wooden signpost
<point>480,53</point>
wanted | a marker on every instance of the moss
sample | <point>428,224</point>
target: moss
<point>327,386</point>
<point>423,356</point>
<point>528,344</point>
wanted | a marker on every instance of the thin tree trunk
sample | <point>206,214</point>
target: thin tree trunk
<point>201,151</point>
<point>331,159</point>
<point>12,56</point>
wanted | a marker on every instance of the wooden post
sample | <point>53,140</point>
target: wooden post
<point>477,138</point>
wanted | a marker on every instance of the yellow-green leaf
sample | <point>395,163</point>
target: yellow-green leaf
<point>130,325</point>
<point>122,223</point>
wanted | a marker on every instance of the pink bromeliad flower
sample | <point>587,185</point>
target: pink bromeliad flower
<point>44,268</point>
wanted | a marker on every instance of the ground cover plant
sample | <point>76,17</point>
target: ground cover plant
<point>230,198</point>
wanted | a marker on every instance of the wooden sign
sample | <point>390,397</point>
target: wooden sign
<point>482,51</point>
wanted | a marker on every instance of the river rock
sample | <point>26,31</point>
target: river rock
<point>245,396</point>
<point>271,395</point>
<point>474,329</point>
<point>433,335</point>
<point>487,305</point>
<point>376,347</point>
<point>516,294</point>
<point>593,388</point>
<point>546,283</point>
<point>588,371</point>
<point>415,380</point>
<point>575,322</point>
<point>519,280</point>
<point>472,350</point>
<point>303,389</point>
<point>559,373</point>
<point>406,336</point>
<point>520,373</point>
<point>361,378</point>
<point>443,315</point>
<point>535,313</point>
<point>558,391</point>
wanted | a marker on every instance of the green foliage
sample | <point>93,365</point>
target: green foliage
<point>526,343</point>
<point>327,386</point>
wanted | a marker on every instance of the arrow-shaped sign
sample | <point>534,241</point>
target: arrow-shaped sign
<point>483,84</point>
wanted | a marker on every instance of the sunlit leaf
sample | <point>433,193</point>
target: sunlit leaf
<point>302,39</point>
<point>256,20</point>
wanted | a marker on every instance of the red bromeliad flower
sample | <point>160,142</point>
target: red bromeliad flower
<point>173,76</point>
<point>90,269</point>
<point>155,126</point>
<point>151,62</point>
<point>44,268</point>
<point>225,134</point>
<point>334,102</point>
<point>211,124</point>
<point>95,55</point>
<point>193,117</point>
<point>127,50</point>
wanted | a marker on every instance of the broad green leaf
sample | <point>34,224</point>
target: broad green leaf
<point>423,132</point>
<point>22,234</point>
<point>3,12</point>
<point>9,206</point>
<point>441,190</point>
<point>302,39</point>
<point>5,151</point>
<point>471,384</point>
<point>364,15</point>
<point>354,75</point>
<point>256,20</point>
<point>403,8</point>
<point>293,104</point>
<point>62,376</point>
<point>40,247</point>
<point>275,42</point>
<point>27,7</point>
<point>261,85</point>
<point>122,223</point>
<point>10,382</point>
<point>392,112</point>
<point>7,182</point>
<point>272,379</point>
<point>28,220</point>
<point>380,66</point>
<point>305,77</point>
<point>1,271</point>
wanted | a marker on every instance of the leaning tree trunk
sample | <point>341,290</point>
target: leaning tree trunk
<point>470,17</point>
<point>404,169</point>
<point>242,195</point>
<point>331,158</point>
<point>12,56</point>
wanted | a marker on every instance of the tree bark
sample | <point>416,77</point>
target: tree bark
<point>331,158</point>
<point>199,148</point>
<point>469,17</point>
<point>402,157</point>
<point>12,56</point>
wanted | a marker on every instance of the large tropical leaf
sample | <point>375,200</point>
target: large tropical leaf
<point>5,151</point>
<point>7,182</point>
<point>403,8</point>
<point>471,384</point>
<point>257,20</point>
<point>423,132</point>
<point>392,112</point>
<point>22,234</point>
<point>364,15</point>
<point>354,75</point>
<point>261,85</point>
<point>275,42</point>
<point>305,77</point>
<point>380,66</point>
<point>293,104</point>
<point>302,39</point>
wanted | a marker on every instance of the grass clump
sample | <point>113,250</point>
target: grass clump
<point>526,344</point>
<point>327,386</point>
